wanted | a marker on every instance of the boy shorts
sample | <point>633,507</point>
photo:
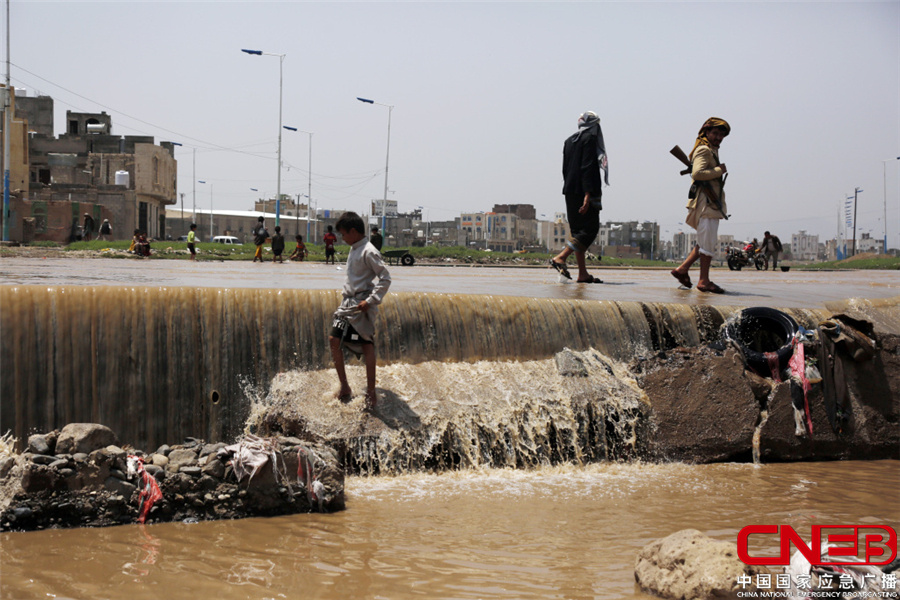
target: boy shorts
<point>342,329</point>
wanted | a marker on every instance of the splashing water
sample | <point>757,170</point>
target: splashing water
<point>438,415</point>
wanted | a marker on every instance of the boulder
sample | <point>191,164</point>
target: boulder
<point>84,437</point>
<point>689,565</point>
<point>181,457</point>
<point>42,443</point>
<point>704,405</point>
<point>569,364</point>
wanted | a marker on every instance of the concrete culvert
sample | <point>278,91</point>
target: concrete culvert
<point>761,330</point>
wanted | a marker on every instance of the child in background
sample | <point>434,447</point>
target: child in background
<point>192,237</point>
<point>299,252</point>
<point>277,245</point>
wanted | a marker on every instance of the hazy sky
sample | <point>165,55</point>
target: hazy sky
<point>485,94</point>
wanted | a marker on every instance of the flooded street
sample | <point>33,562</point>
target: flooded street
<point>561,532</point>
<point>794,289</point>
<point>569,531</point>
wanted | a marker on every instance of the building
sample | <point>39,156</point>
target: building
<point>128,180</point>
<point>867,243</point>
<point>239,223</point>
<point>552,235</point>
<point>804,246</point>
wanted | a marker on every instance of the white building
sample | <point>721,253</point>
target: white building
<point>867,243</point>
<point>804,246</point>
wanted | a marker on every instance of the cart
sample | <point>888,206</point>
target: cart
<point>403,257</point>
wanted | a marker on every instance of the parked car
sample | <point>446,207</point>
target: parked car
<point>226,239</point>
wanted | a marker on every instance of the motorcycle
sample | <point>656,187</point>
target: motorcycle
<point>737,259</point>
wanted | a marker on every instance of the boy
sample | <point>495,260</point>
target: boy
<point>192,237</point>
<point>260,235</point>
<point>299,252</point>
<point>329,238</point>
<point>277,245</point>
<point>354,320</point>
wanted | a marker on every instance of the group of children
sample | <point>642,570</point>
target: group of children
<point>140,245</point>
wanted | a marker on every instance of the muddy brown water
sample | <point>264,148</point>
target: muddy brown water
<point>555,532</point>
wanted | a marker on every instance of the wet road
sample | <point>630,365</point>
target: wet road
<point>794,289</point>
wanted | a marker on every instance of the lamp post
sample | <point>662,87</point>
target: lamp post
<point>280,96</point>
<point>308,178</point>
<point>386,161</point>
<point>7,120</point>
<point>856,192</point>
<point>884,183</point>
<point>210,209</point>
<point>182,193</point>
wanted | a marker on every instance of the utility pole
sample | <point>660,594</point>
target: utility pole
<point>856,192</point>
<point>7,120</point>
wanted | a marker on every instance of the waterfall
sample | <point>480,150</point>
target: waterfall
<point>157,364</point>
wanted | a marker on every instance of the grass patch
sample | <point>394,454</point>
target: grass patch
<point>870,262</point>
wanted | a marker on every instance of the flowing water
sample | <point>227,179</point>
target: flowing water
<point>548,533</point>
<point>481,474</point>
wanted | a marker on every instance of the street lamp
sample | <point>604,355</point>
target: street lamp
<point>884,183</point>
<point>856,192</point>
<point>308,178</point>
<point>210,208</point>
<point>387,160</point>
<point>280,95</point>
<point>182,194</point>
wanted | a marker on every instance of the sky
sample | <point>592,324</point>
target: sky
<point>484,94</point>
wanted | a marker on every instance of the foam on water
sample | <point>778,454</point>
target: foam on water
<point>442,415</point>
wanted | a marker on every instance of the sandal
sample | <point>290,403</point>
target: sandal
<point>683,278</point>
<point>561,268</point>
<point>591,279</point>
<point>711,288</point>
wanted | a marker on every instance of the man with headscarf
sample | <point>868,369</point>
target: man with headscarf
<point>584,156</point>
<point>706,203</point>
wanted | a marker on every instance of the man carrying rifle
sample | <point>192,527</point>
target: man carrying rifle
<point>706,203</point>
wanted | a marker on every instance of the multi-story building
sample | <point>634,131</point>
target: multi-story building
<point>552,235</point>
<point>804,246</point>
<point>867,243</point>
<point>128,180</point>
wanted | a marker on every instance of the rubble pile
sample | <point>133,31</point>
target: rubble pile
<point>82,477</point>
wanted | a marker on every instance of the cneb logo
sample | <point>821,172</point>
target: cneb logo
<point>878,541</point>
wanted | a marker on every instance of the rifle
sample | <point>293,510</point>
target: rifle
<point>678,153</point>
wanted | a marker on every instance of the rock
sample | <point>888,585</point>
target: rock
<point>164,450</point>
<point>6,465</point>
<point>61,463</point>
<point>38,478</point>
<point>211,449</point>
<point>117,486</point>
<point>22,512</point>
<point>191,471</point>
<point>181,458</point>
<point>42,459</point>
<point>570,364</point>
<point>215,468</point>
<point>689,565</point>
<point>79,457</point>
<point>84,437</point>
<point>39,444</point>
<point>160,460</point>
<point>703,406</point>
<point>154,470</point>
